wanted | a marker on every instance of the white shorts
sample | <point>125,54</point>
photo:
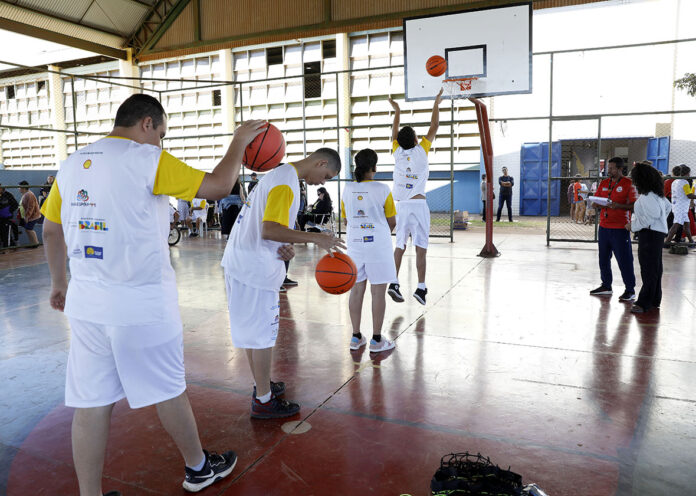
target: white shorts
<point>199,214</point>
<point>254,315</point>
<point>681,215</point>
<point>144,364</point>
<point>412,219</point>
<point>376,272</point>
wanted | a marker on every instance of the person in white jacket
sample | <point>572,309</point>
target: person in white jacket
<point>649,221</point>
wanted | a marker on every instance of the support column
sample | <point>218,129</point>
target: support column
<point>227,92</point>
<point>227,96</point>
<point>343,103</point>
<point>126,68</point>
<point>57,105</point>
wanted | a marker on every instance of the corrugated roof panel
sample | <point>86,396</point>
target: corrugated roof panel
<point>222,18</point>
<point>72,10</point>
<point>181,31</point>
<point>45,21</point>
<point>121,16</point>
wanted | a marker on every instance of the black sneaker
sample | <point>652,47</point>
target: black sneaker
<point>277,388</point>
<point>601,291</point>
<point>627,296</point>
<point>289,282</point>
<point>216,467</point>
<point>420,295</point>
<point>394,292</point>
<point>193,234</point>
<point>275,408</point>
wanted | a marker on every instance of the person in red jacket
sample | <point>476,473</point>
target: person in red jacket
<point>613,238</point>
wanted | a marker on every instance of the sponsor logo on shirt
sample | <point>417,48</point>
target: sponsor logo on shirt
<point>83,200</point>
<point>408,158</point>
<point>408,169</point>
<point>411,176</point>
<point>77,252</point>
<point>368,239</point>
<point>367,226</point>
<point>92,225</point>
<point>619,189</point>
<point>361,213</point>
<point>360,197</point>
<point>94,252</point>
<point>87,164</point>
<point>409,186</point>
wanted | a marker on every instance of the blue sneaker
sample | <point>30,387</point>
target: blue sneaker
<point>277,388</point>
<point>356,344</point>
<point>275,408</point>
<point>383,345</point>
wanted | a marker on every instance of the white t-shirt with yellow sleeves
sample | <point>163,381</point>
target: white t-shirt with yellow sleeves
<point>111,198</point>
<point>366,206</point>
<point>248,257</point>
<point>411,170</point>
<point>199,214</point>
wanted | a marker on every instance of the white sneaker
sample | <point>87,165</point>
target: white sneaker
<point>356,344</point>
<point>383,345</point>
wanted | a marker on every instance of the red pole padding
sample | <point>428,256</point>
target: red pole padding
<point>489,249</point>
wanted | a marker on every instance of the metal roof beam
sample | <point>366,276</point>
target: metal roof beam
<point>63,39</point>
<point>158,20</point>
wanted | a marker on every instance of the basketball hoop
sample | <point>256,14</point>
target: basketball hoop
<point>459,87</point>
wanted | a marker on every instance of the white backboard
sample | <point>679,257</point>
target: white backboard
<point>492,44</point>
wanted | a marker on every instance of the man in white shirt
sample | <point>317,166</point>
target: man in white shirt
<point>122,302</point>
<point>682,194</point>
<point>199,212</point>
<point>411,172</point>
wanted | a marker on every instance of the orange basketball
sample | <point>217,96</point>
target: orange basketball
<point>336,274</point>
<point>266,151</point>
<point>436,66</point>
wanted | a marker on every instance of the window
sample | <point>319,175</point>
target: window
<point>312,79</point>
<point>41,85</point>
<point>10,92</point>
<point>217,98</point>
<point>274,56</point>
<point>328,49</point>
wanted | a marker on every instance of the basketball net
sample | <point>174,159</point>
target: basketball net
<point>458,87</point>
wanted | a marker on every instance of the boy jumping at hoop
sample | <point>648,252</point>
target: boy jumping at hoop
<point>411,171</point>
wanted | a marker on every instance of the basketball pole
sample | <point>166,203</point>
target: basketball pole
<point>489,250</point>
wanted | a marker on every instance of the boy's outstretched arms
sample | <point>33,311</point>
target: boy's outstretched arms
<point>397,119</point>
<point>435,118</point>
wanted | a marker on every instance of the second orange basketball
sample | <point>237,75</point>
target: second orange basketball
<point>436,66</point>
<point>337,274</point>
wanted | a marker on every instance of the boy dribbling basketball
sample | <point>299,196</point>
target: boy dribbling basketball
<point>370,215</point>
<point>254,272</point>
<point>411,171</point>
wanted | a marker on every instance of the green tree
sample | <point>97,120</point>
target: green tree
<point>688,83</point>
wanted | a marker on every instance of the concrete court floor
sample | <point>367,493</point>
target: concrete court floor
<point>510,357</point>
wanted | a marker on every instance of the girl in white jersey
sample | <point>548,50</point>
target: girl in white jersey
<point>368,208</point>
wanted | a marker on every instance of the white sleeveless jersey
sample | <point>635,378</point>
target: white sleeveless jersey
<point>248,257</point>
<point>366,206</point>
<point>115,230</point>
<point>411,170</point>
